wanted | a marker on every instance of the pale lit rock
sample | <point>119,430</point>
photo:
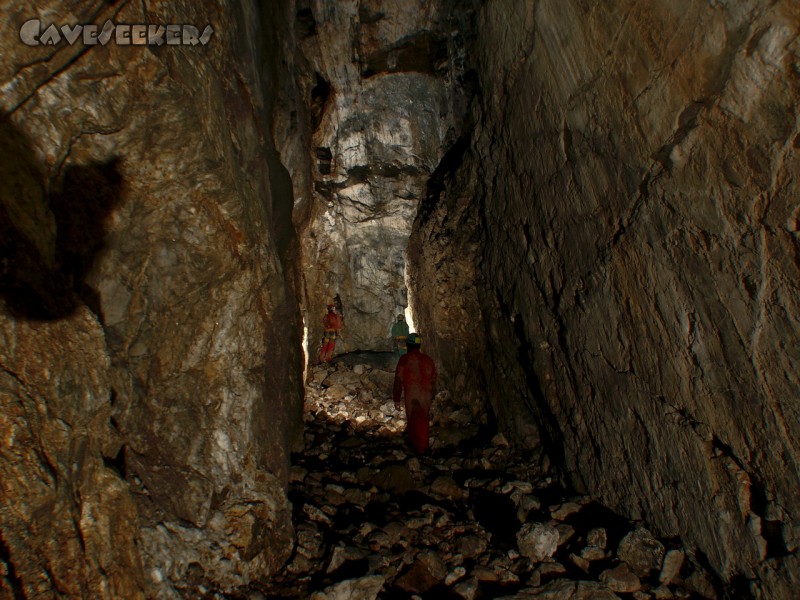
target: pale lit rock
<point>670,571</point>
<point>455,575</point>
<point>537,541</point>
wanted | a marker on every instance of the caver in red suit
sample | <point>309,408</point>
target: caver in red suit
<point>332,324</point>
<point>415,377</point>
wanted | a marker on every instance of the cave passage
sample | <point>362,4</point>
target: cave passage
<point>588,210</point>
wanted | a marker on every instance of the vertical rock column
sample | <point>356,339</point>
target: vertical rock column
<point>150,358</point>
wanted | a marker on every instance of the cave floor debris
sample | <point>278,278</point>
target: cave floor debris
<point>472,519</point>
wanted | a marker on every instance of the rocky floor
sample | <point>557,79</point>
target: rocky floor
<point>473,519</point>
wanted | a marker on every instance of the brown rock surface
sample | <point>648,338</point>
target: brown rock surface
<point>622,235</point>
<point>146,424</point>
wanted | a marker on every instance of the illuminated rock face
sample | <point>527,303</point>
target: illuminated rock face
<point>374,84</point>
<point>150,362</point>
<point>623,235</point>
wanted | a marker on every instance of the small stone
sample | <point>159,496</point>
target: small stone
<point>378,540</point>
<point>447,488</point>
<point>673,561</point>
<point>467,590</point>
<point>396,531</point>
<point>662,592</point>
<point>300,564</point>
<point>316,514</point>
<point>419,521</point>
<point>562,511</point>
<point>520,487</point>
<point>337,559</point>
<point>507,577</point>
<point>500,441</point>
<point>297,474</point>
<point>579,562</point>
<point>537,541</point>
<point>592,553</point>
<point>433,563</point>
<point>558,589</point>
<point>365,588</point>
<point>357,496</point>
<point>621,579</point>
<point>534,579</point>
<point>471,546</point>
<point>394,478</point>
<point>336,391</point>
<point>597,538</point>
<point>591,590</point>
<point>699,583</point>
<point>565,533</point>
<point>642,551</point>
<point>529,502</point>
<point>482,573</point>
<point>551,567</point>
<point>455,575</point>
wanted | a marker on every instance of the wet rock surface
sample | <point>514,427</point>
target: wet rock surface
<point>471,519</point>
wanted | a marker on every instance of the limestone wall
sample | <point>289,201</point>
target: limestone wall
<point>626,216</point>
<point>150,361</point>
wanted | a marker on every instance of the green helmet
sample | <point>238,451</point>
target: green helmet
<point>413,339</point>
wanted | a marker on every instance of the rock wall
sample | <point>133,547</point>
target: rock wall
<point>150,361</point>
<point>374,113</point>
<point>622,232</point>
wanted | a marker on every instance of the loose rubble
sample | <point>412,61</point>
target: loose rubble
<point>471,520</point>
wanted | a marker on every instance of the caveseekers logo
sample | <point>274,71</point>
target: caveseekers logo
<point>35,33</point>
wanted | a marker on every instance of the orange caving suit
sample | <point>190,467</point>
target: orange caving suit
<point>416,375</point>
<point>331,323</point>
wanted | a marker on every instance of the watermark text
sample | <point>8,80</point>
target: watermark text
<point>36,33</point>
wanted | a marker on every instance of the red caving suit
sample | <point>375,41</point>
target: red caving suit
<point>415,375</point>
<point>331,323</point>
